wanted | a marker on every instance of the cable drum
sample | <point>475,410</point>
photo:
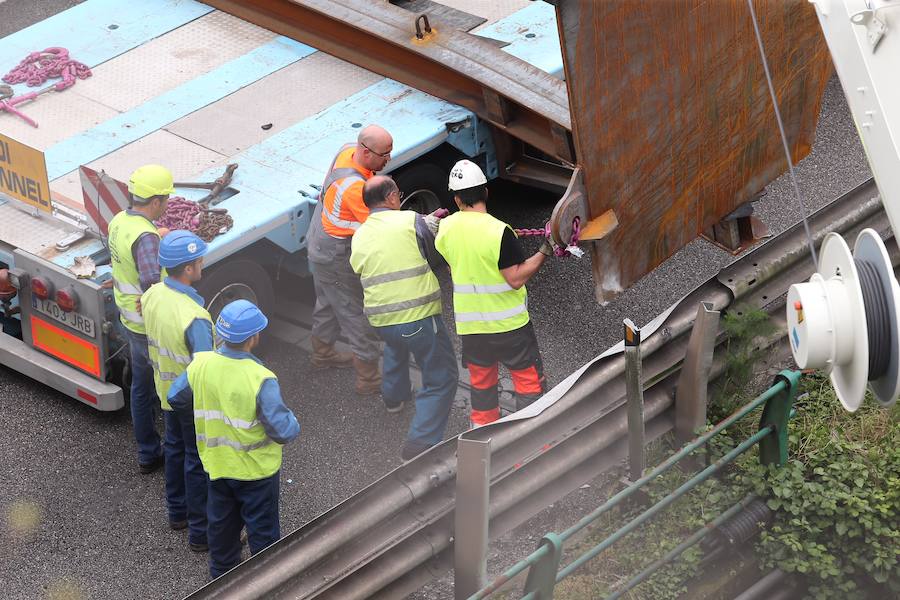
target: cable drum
<point>878,321</point>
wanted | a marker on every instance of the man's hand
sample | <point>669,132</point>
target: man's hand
<point>546,248</point>
<point>433,223</point>
<point>139,306</point>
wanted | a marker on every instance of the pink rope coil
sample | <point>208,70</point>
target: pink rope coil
<point>52,63</point>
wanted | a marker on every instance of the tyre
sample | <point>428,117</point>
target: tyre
<point>424,187</point>
<point>238,279</point>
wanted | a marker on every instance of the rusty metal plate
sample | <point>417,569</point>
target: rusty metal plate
<point>672,119</point>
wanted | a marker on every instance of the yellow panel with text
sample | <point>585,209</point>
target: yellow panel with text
<point>23,173</point>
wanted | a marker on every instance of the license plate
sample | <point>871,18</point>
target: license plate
<point>76,321</point>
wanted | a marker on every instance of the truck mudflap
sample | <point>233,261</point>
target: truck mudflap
<point>100,395</point>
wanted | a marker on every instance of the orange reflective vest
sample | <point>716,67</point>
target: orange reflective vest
<point>343,209</point>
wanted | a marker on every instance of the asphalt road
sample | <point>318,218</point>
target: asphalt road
<point>78,521</point>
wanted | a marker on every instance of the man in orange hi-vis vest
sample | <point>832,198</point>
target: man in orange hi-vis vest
<point>339,295</point>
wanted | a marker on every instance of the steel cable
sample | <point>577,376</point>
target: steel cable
<point>784,141</point>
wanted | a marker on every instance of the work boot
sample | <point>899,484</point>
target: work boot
<point>368,377</point>
<point>324,356</point>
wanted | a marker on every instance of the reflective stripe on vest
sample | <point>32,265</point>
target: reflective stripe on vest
<point>221,441</point>
<point>127,288</point>
<point>230,439</point>
<point>398,285</point>
<point>218,415</point>
<point>483,301</point>
<point>339,180</point>
<point>334,215</point>
<point>124,230</point>
<point>168,315</point>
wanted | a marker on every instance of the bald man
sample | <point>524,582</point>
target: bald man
<point>339,295</point>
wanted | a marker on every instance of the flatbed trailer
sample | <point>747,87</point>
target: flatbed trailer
<point>179,83</point>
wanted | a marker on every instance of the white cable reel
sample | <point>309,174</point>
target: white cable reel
<point>845,319</point>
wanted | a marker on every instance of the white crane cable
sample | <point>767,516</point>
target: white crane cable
<point>784,141</point>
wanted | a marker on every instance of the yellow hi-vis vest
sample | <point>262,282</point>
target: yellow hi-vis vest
<point>167,315</point>
<point>124,230</point>
<point>398,285</point>
<point>482,300</point>
<point>230,439</point>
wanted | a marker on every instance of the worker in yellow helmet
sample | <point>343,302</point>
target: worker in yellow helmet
<point>134,254</point>
<point>489,270</point>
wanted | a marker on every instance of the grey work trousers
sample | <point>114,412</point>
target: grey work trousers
<point>339,297</point>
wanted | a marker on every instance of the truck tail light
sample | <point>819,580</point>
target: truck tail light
<point>7,289</point>
<point>67,299</point>
<point>41,288</point>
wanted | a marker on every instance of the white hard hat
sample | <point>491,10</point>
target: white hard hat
<point>464,175</point>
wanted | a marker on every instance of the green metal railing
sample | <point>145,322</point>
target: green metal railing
<point>543,563</point>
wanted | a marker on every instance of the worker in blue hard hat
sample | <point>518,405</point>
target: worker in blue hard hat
<point>178,327</point>
<point>241,423</point>
<point>133,249</point>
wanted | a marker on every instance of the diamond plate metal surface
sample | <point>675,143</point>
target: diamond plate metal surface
<point>172,59</point>
<point>185,159</point>
<point>492,11</point>
<point>59,115</point>
<point>283,98</point>
<point>32,234</point>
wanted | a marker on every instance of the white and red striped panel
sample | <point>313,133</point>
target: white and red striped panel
<point>104,197</point>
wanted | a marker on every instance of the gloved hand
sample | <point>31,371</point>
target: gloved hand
<point>546,248</point>
<point>433,223</point>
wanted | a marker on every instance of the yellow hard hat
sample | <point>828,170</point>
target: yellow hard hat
<point>151,180</point>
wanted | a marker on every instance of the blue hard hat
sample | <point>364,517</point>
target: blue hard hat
<point>180,247</point>
<point>239,320</point>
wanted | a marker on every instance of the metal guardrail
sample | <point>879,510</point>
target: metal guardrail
<point>543,563</point>
<point>398,533</point>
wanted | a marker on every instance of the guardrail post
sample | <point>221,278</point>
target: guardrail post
<point>690,394</point>
<point>773,449</point>
<point>542,576</point>
<point>473,482</point>
<point>635,394</point>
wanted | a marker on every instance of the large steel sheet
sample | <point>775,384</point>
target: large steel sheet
<point>672,118</point>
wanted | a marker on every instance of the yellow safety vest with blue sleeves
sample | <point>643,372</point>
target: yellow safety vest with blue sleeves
<point>231,440</point>
<point>168,314</point>
<point>398,285</point>
<point>124,230</point>
<point>483,302</point>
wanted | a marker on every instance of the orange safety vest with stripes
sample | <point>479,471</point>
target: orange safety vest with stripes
<point>343,209</point>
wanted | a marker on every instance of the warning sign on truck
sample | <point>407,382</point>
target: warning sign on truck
<point>23,173</point>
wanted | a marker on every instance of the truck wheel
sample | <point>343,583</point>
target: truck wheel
<point>236,280</point>
<point>424,188</point>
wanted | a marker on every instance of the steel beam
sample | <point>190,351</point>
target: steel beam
<point>511,94</point>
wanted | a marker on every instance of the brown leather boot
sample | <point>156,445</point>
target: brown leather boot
<point>324,356</point>
<point>368,377</point>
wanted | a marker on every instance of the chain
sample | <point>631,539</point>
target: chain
<point>185,214</point>
<point>52,63</point>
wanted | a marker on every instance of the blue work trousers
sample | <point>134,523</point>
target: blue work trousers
<point>186,481</point>
<point>234,504</point>
<point>427,340</point>
<point>144,401</point>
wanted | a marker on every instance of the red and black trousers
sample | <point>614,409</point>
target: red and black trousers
<point>482,354</point>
